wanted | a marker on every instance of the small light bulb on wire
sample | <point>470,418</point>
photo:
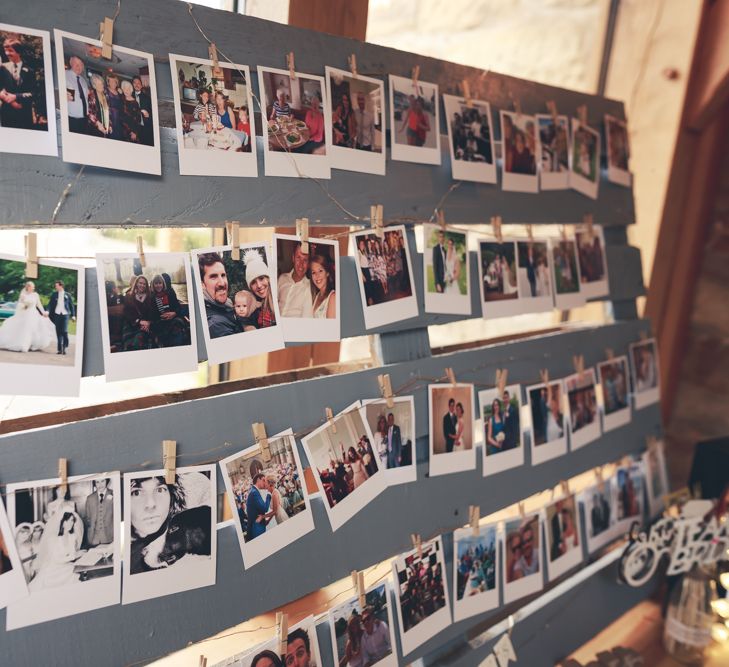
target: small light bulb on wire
<point>721,607</point>
<point>724,580</point>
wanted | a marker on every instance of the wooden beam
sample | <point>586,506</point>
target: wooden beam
<point>346,18</point>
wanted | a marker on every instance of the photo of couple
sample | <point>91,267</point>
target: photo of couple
<point>554,143</point>
<point>501,419</point>
<point>562,528</point>
<point>519,140</point>
<point>618,150</point>
<point>582,400</point>
<point>393,431</point>
<point>451,428</point>
<point>522,548</point>
<point>549,427</point>
<point>613,376</point>
<point>599,507</point>
<point>498,270</point>
<point>446,270</point>
<point>629,491</point>
<point>533,279</point>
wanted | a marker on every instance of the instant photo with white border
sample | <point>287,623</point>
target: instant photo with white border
<point>361,496</point>
<point>466,170</point>
<point>54,602</point>
<point>573,557</point>
<point>616,174</point>
<point>551,449</point>
<point>188,573</point>
<point>405,152</point>
<point>512,182</point>
<point>283,534</point>
<point>471,605</point>
<point>30,141</point>
<point>12,581</point>
<point>131,364</point>
<point>445,302</point>
<point>646,396</point>
<point>438,620</point>
<point>566,300</point>
<point>311,329</point>
<point>31,379</point>
<point>655,497</point>
<point>288,163</point>
<point>592,289</point>
<point>246,343</point>
<point>613,529</point>
<point>531,583</point>
<point>591,432</point>
<point>97,151</point>
<point>578,182</point>
<point>197,162</point>
<point>621,416</point>
<point>553,180</point>
<point>501,307</point>
<point>401,474</point>
<point>453,461</point>
<point>636,473</point>
<point>355,159</point>
<point>380,314</point>
<point>540,303</point>
<point>511,458</point>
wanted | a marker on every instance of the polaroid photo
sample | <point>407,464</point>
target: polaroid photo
<point>170,536</point>
<point>147,328</point>
<point>593,262</point>
<point>348,472</point>
<point>12,574</point>
<point>520,147</point>
<point>356,109</point>
<point>267,497</point>
<point>549,431</point>
<point>629,480</point>
<point>583,414</point>
<point>585,159</point>
<point>475,571</point>
<point>613,377</point>
<point>421,594</point>
<point>564,542</point>
<point>498,277</point>
<point>216,135</point>
<point>618,151</point>
<point>414,121</point>
<point>238,301</point>
<point>451,432</point>
<point>533,275</point>
<point>446,271</point>
<point>502,429</point>
<point>566,274</point>
<point>364,635</point>
<point>656,477</point>
<point>27,107</point>
<point>600,509</point>
<point>523,553</point>
<point>108,110</point>
<point>554,142</point>
<point>295,124</point>
<point>470,136</point>
<point>41,328</point>
<point>393,430</point>
<point>308,289</point>
<point>69,546</point>
<point>644,372</point>
<point>386,284</point>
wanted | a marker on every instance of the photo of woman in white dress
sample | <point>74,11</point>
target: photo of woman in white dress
<point>30,327</point>
<point>453,269</point>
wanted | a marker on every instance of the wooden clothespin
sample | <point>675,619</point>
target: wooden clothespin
<point>496,227</point>
<point>598,474</point>
<point>563,232</point>
<point>203,662</point>
<point>474,516</point>
<point>552,107</point>
<point>213,55</point>
<point>140,251</point>
<point>352,60</point>
<point>282,631</point>
<point>564,485</point>
<point>588,223</point>
<point>582,114</point>
<point>232,229</point>
<point>330,419</point>
<point>358,585</point>
<point>609,354</point>
<point>302,231</point>
<point>31,255</point>
<point>522,513</point>
<point>417,544</point>
<point>502,375</point>
<point>386,389</point>
<point>63,475</point>
<point>169,460</point>
<point>578,361</point>
<point>544,375</point>
<point>290,65</point>
<point>440,215</point>
<point>416,75</point>
<point>530,232</point>
<point>376,220</point>
<point>450,375</point>
<point>106,33</point>
<point>259,435</point>
<point>467,93</point>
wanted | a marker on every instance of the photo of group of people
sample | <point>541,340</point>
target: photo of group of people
<point>471,139</point>
<point>554,141</point>
<point>548,423</point>
<point>393,430</point>
<point>446,271</point>
<point>502,431</point>
<point>451,428</point>
<point>522,549</point>
<point>585,159</point>
<point>563,536</point>
<point>414,120</point>
<point>519,152</point>
<point>592,260</point>
<point>474,571</point>
<point>644,372</point>
<point>618,151</point>
<point>613,377</point>
<point>26,84</point>
<point>584,420</point>
<point>567,282</point>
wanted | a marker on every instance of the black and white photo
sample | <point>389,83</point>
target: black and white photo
<point>470,136</point>
<point>393,431</point>
<point>414,121</point>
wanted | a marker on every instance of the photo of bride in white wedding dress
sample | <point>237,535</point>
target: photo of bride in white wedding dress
<point>29,328</point>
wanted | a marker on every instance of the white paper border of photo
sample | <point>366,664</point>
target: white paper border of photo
<point>486,600</point>
<point>591,432</point>
<point>79,597</point>
<point>417,154</point>
<point>96,151</point>
<point>597,288</point>
<point>478,172</point>
<point>311,329</point>
<point>551,180</point>
<point>647,396</point>
<point>34,142</point>
<point>513,458</point>
<point>286,163</point>
<point>353,159</point>
<point>46,379</point>
<point>283,534</point>
<point>380,314</point>
<point>194,162</point>
<point>577,182</point>
<point>449,462</point>
<point>571,299</point>
<point>360,497</point>
<point>12,582</point>
<point>615,174</point>
<point>550,449</point>
<point>535,304</point>
<point>246,343</point>
<point>404,474</point>
<point>622,416</point>
<point>519,182</point>
<point>532,583</point>
<point>132,364</point>
<point>437,621</point>
<point>167,581</point>
<point>506,307</point>
<point>436,302</point>
<point>655,501</point>
<point>573,557</point>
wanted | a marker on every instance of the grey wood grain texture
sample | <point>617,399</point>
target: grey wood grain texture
<point>30,185</point>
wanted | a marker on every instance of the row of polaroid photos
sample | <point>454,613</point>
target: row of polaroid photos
<point>109,118</point>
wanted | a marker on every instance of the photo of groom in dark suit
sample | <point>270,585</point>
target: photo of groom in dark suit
<point>257,508</point>
<point>60,308</point>
<point>511,423</point>
<point>394,443</point>
<point>18,87</point>
<point>449,425</point>
<point>439,261</point>
<point>145,106</point>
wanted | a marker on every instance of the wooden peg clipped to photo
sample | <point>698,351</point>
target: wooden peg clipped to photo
<point>530,232</point>
<point>203,662</point>
<point>474,516</point>
<point>302,231</point>
<point>651,442</point>
<point>213,55</point>
<point>376,220</point>
<point>467,93</point>
<point>517,107</point>
<point>359,587</point>
<point>290,65</point>
<point>259,435</point>
<point>106,34</point>
<point>582,114</point>
<point>609,354</point>
<point>589,225</point>
<point>63,475</point>
<point>496,227</point>
<point>451,375</point>
<point>544,375</point>
<point>31,255</point>
<point>169,460</point>
<point>563,232</point>
<point>552,107</point>
<point>578,361</point>
<point>440,215</point>
<point>232,229</point>
<point>564,485</point>
<point>140,251</point>
<point>386,389</point>
<point>502,374</point>
<point>416,76</point>
<point>522,513</point>
<point>282,631</point>
<point>352,60</point>
<point>417,544</point>
<point>330,419</point>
